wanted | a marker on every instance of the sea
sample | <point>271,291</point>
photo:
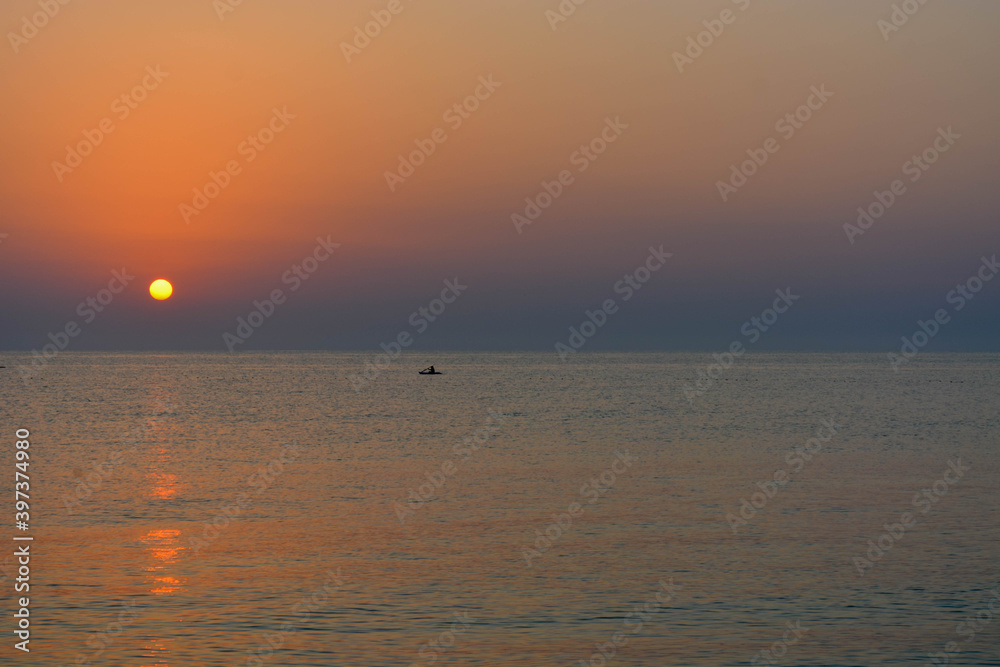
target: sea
<point>645,509</point>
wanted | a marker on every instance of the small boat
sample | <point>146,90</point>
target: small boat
<point>430,371</point>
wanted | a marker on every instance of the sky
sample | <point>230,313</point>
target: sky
<point>120,118</point>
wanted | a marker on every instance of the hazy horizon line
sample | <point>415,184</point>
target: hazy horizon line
<point>376,352</point>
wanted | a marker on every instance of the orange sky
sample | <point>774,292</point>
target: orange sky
<point>324,173</point>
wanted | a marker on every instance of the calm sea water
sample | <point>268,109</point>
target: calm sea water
<point>214,558</point>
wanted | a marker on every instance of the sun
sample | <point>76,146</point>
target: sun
<point>161,289</point>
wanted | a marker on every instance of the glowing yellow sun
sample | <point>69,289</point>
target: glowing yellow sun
<point>161,290</point>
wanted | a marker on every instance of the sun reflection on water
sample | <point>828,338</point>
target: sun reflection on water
<point>164,546</point>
